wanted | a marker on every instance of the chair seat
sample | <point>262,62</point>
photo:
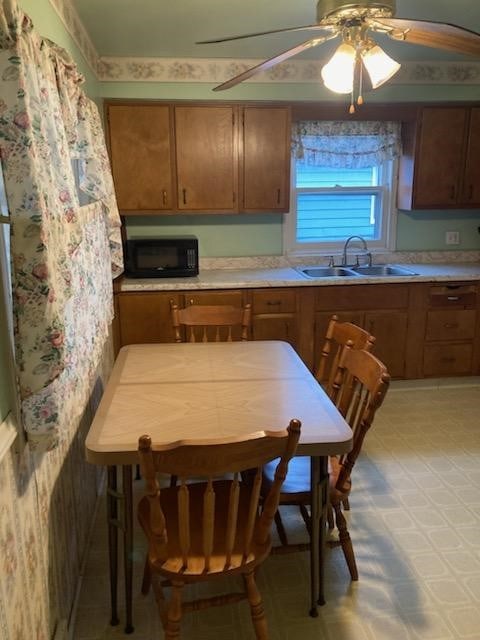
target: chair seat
<point>174,564</point>
<point>296,486</point>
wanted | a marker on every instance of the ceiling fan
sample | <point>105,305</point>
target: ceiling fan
<point>354,23</point>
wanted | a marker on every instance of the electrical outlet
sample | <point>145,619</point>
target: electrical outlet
<point>452,237</point>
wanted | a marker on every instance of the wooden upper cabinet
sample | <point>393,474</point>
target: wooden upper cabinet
<point>199,158</point>
<point>265,136</point>
<point>470,191</point>
<point>441,163</point>
<point>206,154</point>
<point>141,156</point>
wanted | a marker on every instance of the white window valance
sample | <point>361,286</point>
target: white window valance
<point>344,144</point>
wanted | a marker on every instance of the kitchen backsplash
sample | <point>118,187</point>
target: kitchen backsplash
<point>273,262</point>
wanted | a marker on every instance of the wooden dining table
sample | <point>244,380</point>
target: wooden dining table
<point>199,391</point>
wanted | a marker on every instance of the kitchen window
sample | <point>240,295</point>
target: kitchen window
<point>343,184</point>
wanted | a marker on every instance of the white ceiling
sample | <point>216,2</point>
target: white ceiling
<point>170,28</point>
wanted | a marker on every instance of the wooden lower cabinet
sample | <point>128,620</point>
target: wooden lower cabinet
<point>144,317</point>
<point>450,343</point>
<point>382,310</point>
<point>275,315</point>
<point>421,329</point>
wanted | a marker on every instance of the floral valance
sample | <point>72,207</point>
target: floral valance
<point>345,144</point>
<point>65,226</point>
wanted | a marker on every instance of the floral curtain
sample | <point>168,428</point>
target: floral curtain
<point>65,226</point>
<point>345,144</point>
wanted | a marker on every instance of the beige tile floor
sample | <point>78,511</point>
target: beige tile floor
<point>415,524</point>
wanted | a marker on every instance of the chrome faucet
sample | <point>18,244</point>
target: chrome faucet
<point>345,247</point>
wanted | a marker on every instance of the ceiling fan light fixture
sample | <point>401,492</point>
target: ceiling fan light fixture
<point>379,65</point>
<point>338,73</point>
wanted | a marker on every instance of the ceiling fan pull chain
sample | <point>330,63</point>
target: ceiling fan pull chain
<point>360,84</point>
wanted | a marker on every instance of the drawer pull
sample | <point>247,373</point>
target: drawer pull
<point>446,359</point>
<point>273,303</point>
<point>164,195</point>
<point>278,196</point>
<point>453,298</point>
<point>451,325</point>
<point>184,196</point>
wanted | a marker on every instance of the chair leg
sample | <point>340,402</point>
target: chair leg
<point>147,578</point>
<point>174,614</point>
<point>345,541</point>
<point>306,518</point>
<point>256,606</point>
<point>330,518</point>
<point>282,534</point>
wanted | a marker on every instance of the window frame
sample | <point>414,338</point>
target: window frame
<point>386,242</point>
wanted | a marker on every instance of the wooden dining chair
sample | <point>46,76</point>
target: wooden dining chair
<point>198,531</point>
<point>336,338</point>
<point>366,381</point>
<point>211,323</point>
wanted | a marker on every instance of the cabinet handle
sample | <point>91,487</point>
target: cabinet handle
<point>273,303</point>
<point>164,195</point>
<point>452,192</point>
<point>445,359</point>
<point>184,196</point>
<point>451,325</point>
<point>278,196</point>
<point>453,298</point>
<point>470,192</point>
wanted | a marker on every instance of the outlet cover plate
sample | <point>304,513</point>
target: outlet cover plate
<point>452,237</point>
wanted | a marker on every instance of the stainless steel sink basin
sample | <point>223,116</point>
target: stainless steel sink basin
<point>327,272</point>
<point>383,270</point>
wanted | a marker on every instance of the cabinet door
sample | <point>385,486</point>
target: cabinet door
<point>471,179</point>
<point>390,331</point>
<point>266,158</point>
<point>140,151</point>
<point>145,317</point>
<point>282,326</point>
<point>439,159</point>
<point>206,154</point>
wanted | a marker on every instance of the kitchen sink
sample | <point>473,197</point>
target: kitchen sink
<point>383,270</point>
<point>375,270</point>
<point>327,272</point>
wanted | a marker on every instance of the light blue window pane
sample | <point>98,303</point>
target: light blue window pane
<point>334,217</point>
<point>318,177</point>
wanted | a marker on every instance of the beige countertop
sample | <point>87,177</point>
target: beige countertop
<point>289,276</point>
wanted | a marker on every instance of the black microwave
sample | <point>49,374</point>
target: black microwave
<point>162,257</point>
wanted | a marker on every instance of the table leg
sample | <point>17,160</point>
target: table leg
<point>323,489</point>
<point>112,524</point>
<point>319,491</point>
<point>128,544</point>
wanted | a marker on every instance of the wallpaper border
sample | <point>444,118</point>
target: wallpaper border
<point>133,69</point>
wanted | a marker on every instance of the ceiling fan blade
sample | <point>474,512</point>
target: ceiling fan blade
<point>271,62</point>
<point>439,35</point>
<point>315,27</point>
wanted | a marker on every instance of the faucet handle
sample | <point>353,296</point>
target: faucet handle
<point>331,262</point>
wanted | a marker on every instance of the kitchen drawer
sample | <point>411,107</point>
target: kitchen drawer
<point>450,324</point>
<point>274,301</point>
<point>447,359</point>
<point>234,298</point>
<point>375,296</point>
<point>453,295</point>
